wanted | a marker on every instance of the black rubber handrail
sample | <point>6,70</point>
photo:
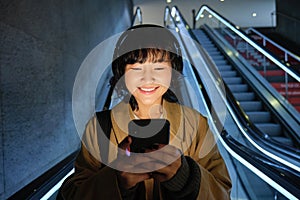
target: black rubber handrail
<point>288,178</point>
<point>41,185</point>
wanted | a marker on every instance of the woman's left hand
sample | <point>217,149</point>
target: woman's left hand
<point>165,158</point>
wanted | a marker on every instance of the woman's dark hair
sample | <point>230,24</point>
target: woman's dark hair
<point>143,43</point>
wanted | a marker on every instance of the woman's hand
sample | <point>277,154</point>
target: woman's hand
<point>127,179</point>
<point>167,160</point>
<point>161,163</point>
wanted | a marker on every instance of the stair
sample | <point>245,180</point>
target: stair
<point>243,93</point>
<point>272,73</point>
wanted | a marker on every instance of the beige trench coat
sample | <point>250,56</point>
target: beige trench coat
<point>189,132</point>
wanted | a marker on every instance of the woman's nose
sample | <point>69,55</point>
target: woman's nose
<point>148,76</point>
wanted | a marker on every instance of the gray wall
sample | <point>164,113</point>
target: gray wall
<point>288,20</point>
<point>42,46</point>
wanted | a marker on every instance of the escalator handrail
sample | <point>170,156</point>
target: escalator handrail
<point>246,121</point>
<point>253,133</point>
<point>249,40</point>
<point>286,52</point>
<point>284,179</point>
<point>137,14</point>
<point>292,116</point>
<point>287,106</point>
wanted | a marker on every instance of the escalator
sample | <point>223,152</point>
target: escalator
<point>261,176</point>
<point>254,107</point>
<point>268,69</point>
<point>257,185</point>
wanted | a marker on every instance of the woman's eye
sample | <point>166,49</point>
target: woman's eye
<point>136,68</point>
<point>159,68</point>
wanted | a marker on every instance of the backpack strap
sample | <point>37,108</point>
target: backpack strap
<point>104,120</point>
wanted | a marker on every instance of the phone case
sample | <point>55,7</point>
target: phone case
<point>147,132</point>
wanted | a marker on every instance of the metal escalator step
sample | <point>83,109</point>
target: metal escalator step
<point>238,87</point>
<point>228,73</point>
<point>244,96</point>
<point>224,67</point>
<point>217,57</point>
<point>259,117</point>
<point>211,48</point>
<point>212,53</point>
<point>251,105</point>
<point>270,67</point>
<point>208,46</point>
<point>271,129</point>
<point>232,80</point>
<point>220,62</point>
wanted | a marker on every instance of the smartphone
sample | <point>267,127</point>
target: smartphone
<point>147,132</point>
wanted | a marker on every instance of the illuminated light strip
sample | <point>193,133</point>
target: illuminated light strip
<point>261,50</point>
<point>56,187</point>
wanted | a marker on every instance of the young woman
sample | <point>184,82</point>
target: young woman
<point>146,67</point>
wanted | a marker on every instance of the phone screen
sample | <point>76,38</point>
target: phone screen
<point>147,132</point>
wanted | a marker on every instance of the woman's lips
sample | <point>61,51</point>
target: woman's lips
<point>148,90</point>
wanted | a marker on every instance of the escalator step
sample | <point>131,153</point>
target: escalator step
<point>271,129</point>
<point>270,67</point>
<point>211,48</point>
<point>244,96</point>
<point>217,57</point>
<point>220,62</point>
<point>212,53</point>
<point>224,67</point>
<point>251,105</point>
<point>232,80</point>
<point>259,117</point>
<point>208,46</point>
<point>228,73</point>
<point>238,87</point>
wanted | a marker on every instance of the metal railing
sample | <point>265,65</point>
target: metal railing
<point>137,17</point>
<point>286,53</point>
<point>258,56</point>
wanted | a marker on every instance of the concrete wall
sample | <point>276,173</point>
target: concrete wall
<point>42,44</point>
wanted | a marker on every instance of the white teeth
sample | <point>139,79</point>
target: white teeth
<point>147,89</point>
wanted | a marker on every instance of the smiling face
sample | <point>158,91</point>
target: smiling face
<point>148,81</point>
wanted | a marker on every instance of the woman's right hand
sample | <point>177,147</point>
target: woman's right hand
<point>127,179</point>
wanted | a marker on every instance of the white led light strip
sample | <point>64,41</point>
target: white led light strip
<point>56,187</point>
